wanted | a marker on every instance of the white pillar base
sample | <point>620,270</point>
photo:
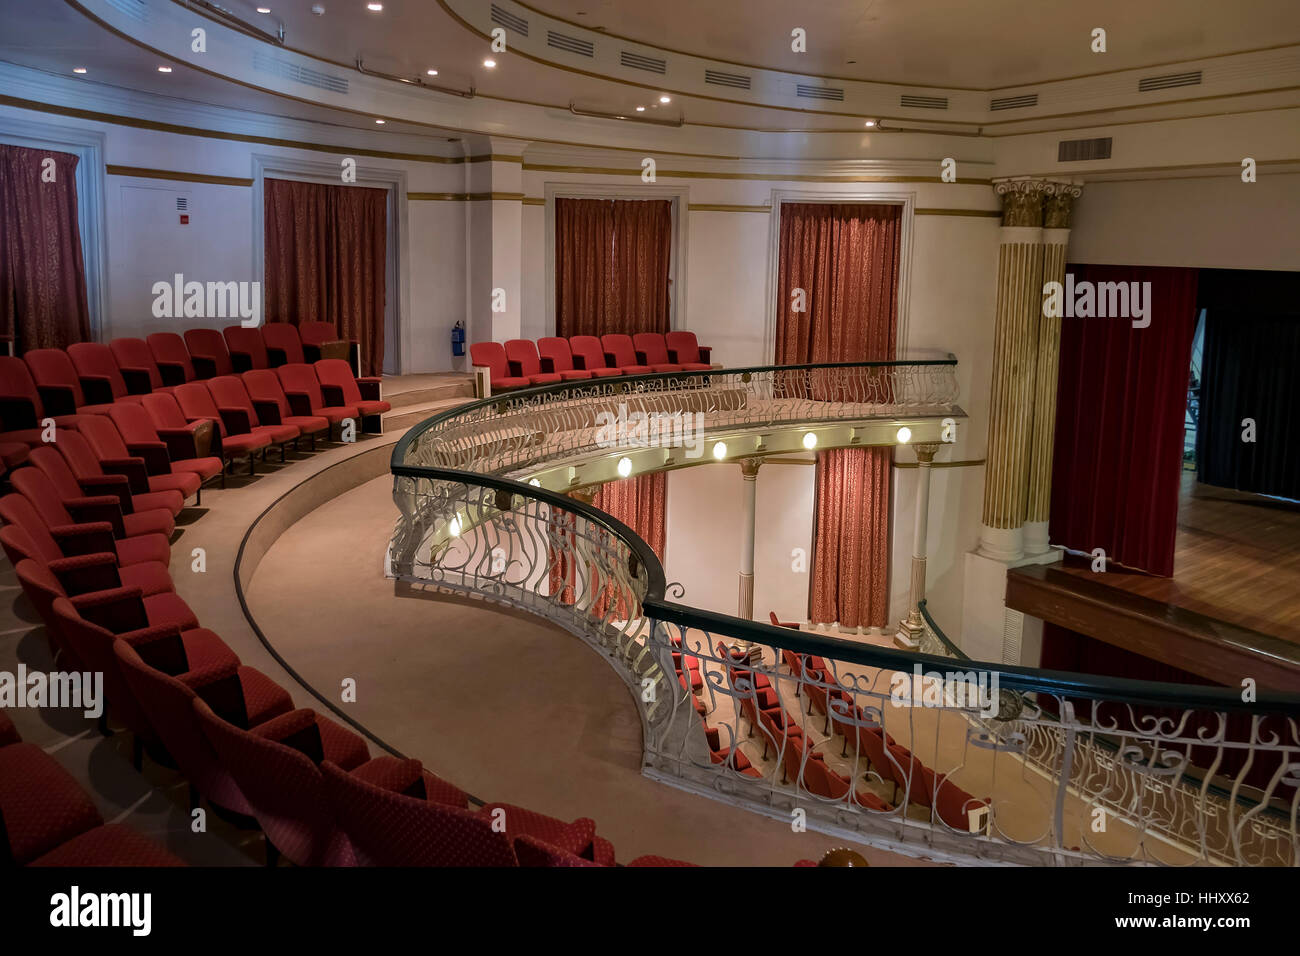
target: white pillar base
<point>1036,537</point>
<point>1002,544</point>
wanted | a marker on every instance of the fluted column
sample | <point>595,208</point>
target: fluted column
<point>910,628</point>
<point>749,504</point>
<point>1058,199</point>
<point>1019,304</point>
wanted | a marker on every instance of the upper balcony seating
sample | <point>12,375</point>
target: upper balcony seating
<point>341,388</point>
<point>143,440</point>
<point>22,407</point>
<point>138,366</point>
<point>817,777</point>
<point>621,353</point>
<point>239,416</point>
<point>101,379</point>
<point>492,356</point>
<point>60,386</point>
<point>246,347</point>
<point>303,391</point>
<point>321,340</point>
<point>589,354</point>
<point>283,345</point>
<point>196,404</point>
<point>525,363</point>
<point>557,357</point>
<point>733,757</point>
<point>686,351</point>
<point>273,408</point>
<point>208,353</point>
<point>172,357</point>
<point>112,500</point>
<point>651,350</point>
<point>100,431</point>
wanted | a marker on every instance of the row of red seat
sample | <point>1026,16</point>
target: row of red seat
<point>521,364</point>
<point>98,577</point>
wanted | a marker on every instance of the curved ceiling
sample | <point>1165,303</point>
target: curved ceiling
<point>948,43</point>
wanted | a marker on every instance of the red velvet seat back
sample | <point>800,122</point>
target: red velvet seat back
<point>135,353</point>
<point>392,829</point>
<point>247,342</point>
<point>532,852</point>
<point>589,347</point>
<point>102,435</point>
<point>52,367</point>
<point>283,337</point>
<point>20,518</point>
<point>318,333</point>
<point>164,411</point>
<point>338,373</point>
<point>208,344</point>
<point>229,392</point>
<point>168,348</point>
<point>491,355</point>
<point>684,345</point>
<point>301,378</point>
<point>133,423</point>
<point>16,382</point>
<point>93,646</point>
<point>557,350</point>
<point>263,385</point>
<point>93,360</point>
<point>34,485</point>
<point>622,348</point>
<point>63,470</point>
<point>195,401</point>
<point>524,352</point>
<point>654,347</point>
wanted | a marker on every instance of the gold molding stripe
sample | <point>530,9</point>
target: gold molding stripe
<point>141,172</point>
<point>765,177</point>
<point>464,197</point>
<point>944,464</point>
<point>723,207</point>
<point>1137,122</point>
<point>1131,106</point>
<point>494,158</point>
<point>977,213</point>
<point>534,201</point>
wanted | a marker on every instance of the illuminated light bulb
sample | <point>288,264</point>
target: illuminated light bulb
<point>535,483</point>
<point>665,99</point>
<point>164,69</point>
<point>380,122</point>
<point>624,467</point>
<point>454,526</point>
<point>870,123</point>
<point>78,69</point>
<point>374,7</point>
<point>431,72</point>
<point>489,63</point>
<point>810,440</point>
<point>904,435</point>
<point>720,450</point>
<point>640,109</point>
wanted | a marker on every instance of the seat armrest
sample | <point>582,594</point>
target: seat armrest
<point>86,573</point>
<point>672,356</point>
<point>299,402</point>
<point>611,360</point>
<point>87,538</point>
<point>154,455</point>
<point>172,373</point>
<point>333,395</point>
<point>236,420</point>
<point>268,412</point>
<point>276,357</point>
<point>241,361</point>
<point>311,353</point>
<point>97,389</point>
<point>179,442</point>
<point>58,400</point>
<point>642,358</point>
<point>17,413</point>
<point>548,364</point>
<point>516,368</point>
<point>105,508</point>
<point>579,361</point>
<point>159,645</point>
<point>369,387</point>
<point>221,689</point>
<point>133,468</point>
<point>704,351</point>
<point>120,610</point>
<point>204,367</point>
<point>109,486</point>
<point>137,380</point>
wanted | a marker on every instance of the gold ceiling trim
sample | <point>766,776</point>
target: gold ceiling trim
<point>141,172</point>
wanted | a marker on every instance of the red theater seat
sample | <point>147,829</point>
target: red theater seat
<point>109,447</point>
<point>340,387</point>
<point>60,386</point>
<point>492,356</point>
<point>196,404</point>
<point>41,805</point>
<point>240,417</point>
<point>99,497</point>
<point>651,350</point>
<point>620,352</point>
<point>172,358</point>
<point>8,732</point>
<point>588,354</point>
<point>272,405</point>
<point>208,353</point>
<point>302,389</point>
<point>144,441</point>
<point>22,408</point>
<point>556,356</point>
<point>317,335</point>
<point>246,347</point>
<point>138,366</point>
<point>685,350</point>
<point>109,845</point>
<point>97,369</point>
<point>524,363</point>
<point>283,345</point>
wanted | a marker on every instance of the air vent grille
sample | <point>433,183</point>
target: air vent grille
<point>923,102</point>
<point>570,44</point>
<point>135,9</point>
<point>1169,81</point>
<point>737,81</point>
<point>509,20</point>
<point>300,74</point>
<point>1013,102</point>
<point>182,203</point>
<point>818,92</point>
<point>1079,150</point>
<point>639,62</point>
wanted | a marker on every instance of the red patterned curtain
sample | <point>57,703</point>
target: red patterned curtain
<point>43,300</point>
<point>843,258</point>
<point>612,260</point>
<point>326,260</point>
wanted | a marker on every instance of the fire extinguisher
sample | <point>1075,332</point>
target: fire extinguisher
<point>458,339</point>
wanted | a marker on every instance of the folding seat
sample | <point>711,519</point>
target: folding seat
<point>246,348</point>
<point>186,440</point>
<point>117,472</point>
<point>302,389</point>
<point>953,805</point>
<point>142,439</point>
<point>589,354</point>
<point>651,350</point>
<point>492,356</point>
<point>41,805</point>
<point>110,845</point>
<point>283,346</point>
<point>524,363</point>
<point>138,367</point>
<point>110,499</point>
<point>106,442</point>
<point>321,340</point>
<point>340,387</point>
<point>277,768</point>
<point>556,356</point>
<point>272,405</point>
<point>196,404</point>
<point>172,357</point>
<point>240,417</point>
<point>686,351</point>
<point>815,776</point>
<point>239,694</point>
<point>23,406</point>
<point>12,454</point>
<point>101,379</point>
<point>620,352</point>
<point>60,386</point>
<point>208,353</point>
<point>732,757</point>
<point>91,537</point>
<point>25,536</point>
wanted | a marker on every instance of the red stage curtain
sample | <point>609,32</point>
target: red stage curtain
<point>845,257</point>
<point>43,300</point>
<point>1121,398</point>
<point>326,249</point>
<point>612,260</point>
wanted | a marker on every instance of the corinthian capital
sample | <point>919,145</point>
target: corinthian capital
<point>1058,200</point>
<point>1022,200</point>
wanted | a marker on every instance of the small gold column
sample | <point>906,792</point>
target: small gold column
<point>910,628</point>
<point>749,504</point>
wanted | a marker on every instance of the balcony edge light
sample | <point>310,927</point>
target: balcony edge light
<point>904,435</point>
<point>810,440</point>
<point>720,450</point>
<point>624,467</point>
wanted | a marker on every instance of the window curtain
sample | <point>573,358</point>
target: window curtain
<point>1248,362</point>
<point>845,258</point>
<point>43,301</point>
<point>612,260</point>
<point>1120,406</point>
<point>326,260</point>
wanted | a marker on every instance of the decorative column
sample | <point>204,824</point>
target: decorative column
<point>911,627</point>
<point>749,504</point>
<point>1058,198</point>
<point>1019,304</point>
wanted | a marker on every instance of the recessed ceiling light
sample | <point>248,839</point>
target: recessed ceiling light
<point>381,122</point>
<point>263,9</point>
<point>489,63</point>
<point>164,69</point>
<point>870,123</point>
<point>317,9</point>
<point>640,109</point>
<point>374,7</point>
<point>431,72</point>
<point>78,69</point>
<point>665,99</point>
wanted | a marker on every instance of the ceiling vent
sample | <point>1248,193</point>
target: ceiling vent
<point>1169,81</point>
<point>299,74</point>
<point>638,62</point>
<point>818,92</point>
<point>508,20</point>
<point>737,81</point>
<point>135,9</point>
<point>923,102</point>
<point>1013,102</point>
<point>1080,150</point>
<point>570,44</point>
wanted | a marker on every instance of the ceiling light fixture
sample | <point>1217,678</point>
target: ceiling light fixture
<point>381,122</point>
<point>431,72</point>
<point>624,467</point>
<point>665,99</point>
<point>78,69</point>
<point>810,440</point>
<point>534,482</point>
<point>164,69</point>
<point>374,7</point>
<point>454,526</point>
<point>720,450</point>
<point>904,435</point>
<point>640,109</point>
<point>263,9</point>
<point>489,63</point>
<point>869,123</point>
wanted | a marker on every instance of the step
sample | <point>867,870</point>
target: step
<point>407,391</point>
<point>405,416</point>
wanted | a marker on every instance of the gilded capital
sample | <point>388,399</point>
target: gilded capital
<point>1022,201</point>
<point>1058,201</point>
<point>586,494</point>
<point>925,451</point>
<point>749,468</point>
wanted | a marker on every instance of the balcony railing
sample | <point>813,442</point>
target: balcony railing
<point>928,753</point>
